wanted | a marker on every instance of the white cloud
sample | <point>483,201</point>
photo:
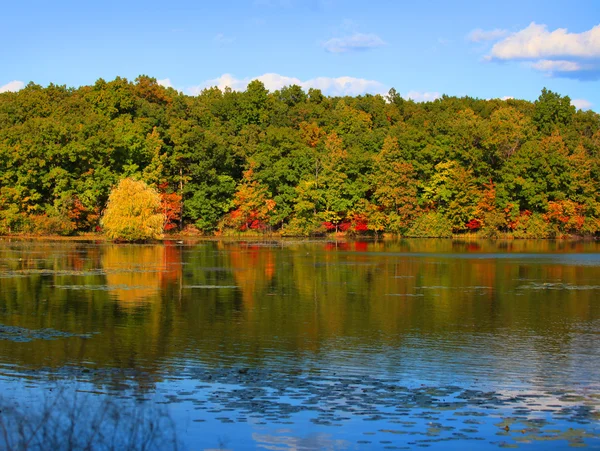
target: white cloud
<point>332,86</point>
<point>274,82</point>
<point>419,96</point>
<point>166,82</point>
<point>346,86</point>
<point>222,82</point>
<point>339,86</point>
<point>556,66</point>
<point>506,98</point>
<point>479,35</point>
<point>12,86</point>
<point>557,53</point>
<point>581,104</point>
<point>536,42</point>
<point>353,42</point>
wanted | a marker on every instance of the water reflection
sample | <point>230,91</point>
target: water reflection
<point>254,301</point>
<point>504,316</point>
<point>133,272</point>
<point>291,442</point>
<point>77,421</point>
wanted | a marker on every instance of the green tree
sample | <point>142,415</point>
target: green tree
<point>319,158</point>
<point>509,129</point>
<point>536,173</point>
<point>394,186</point>
<point>551,111</point>
<point>453,192</point>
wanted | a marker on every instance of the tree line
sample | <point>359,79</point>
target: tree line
<point>299,163</point>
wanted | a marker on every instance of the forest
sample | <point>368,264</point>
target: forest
<point>296,163</point>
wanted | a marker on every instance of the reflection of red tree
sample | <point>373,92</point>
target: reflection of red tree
<point>472,247</point>
<point>361,246</point>
<point>336,246</point>
<point>76,262</point>
<point>482,273</point>
<point>253,269</point>
<point>269,266</point>
<point>171,270</point>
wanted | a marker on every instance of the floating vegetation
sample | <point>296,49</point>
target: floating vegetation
<point>102,287</point>
<point>21,334</point>
<point>10,275</point>
<point>444,287</point>
<point>424,413</point>
<point>405,294</point>
<point>56,272</point>
<point>86,273</point>
<point>556,286</point>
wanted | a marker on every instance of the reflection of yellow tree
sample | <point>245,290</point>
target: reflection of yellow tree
<point>134,273</point>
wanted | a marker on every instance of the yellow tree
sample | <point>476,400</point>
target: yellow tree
<point>133,212</point>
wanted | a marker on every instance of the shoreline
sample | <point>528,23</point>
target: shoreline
<point>98,237</point>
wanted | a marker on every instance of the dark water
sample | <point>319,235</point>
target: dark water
<point>305,345</point>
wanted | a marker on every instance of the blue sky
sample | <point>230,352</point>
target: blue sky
<point>484,49</point>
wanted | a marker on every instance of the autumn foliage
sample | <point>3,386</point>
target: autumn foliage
<point>253,206</point>
<point>565,217</point>
<point>133,213</point>
<point>171,207</point>
<point>296,163</point>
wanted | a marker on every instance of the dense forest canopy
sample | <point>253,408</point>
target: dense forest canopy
<point>298,162</point>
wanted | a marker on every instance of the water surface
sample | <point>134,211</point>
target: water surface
<point>312,344</point>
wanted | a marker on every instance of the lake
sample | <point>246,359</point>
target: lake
<point>290,345</point>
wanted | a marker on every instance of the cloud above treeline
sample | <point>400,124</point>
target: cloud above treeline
<point>581,104</point>
<point>353,43</point>
<point>556,53</point>
<point>166,82</point>
<point>332,86</point>
<point>419,96</point>
<point>12,86</point>
<point>339,86</point>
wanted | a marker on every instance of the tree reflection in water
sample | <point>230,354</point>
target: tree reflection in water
<point>72,420</point>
